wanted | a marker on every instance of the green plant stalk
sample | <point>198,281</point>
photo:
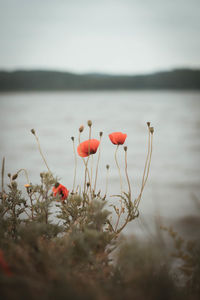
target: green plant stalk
<point>120,177</point>
<point>86,167</point>
<point>79,140</point>
<point>97,166</point>
<point>148,152</point>
<point>107,175</point>
<point>118,218</point>
<point>40,150</point>
<point>91,172</point>
<point>148,168</point>
<point>2,174</point>
<point>75,166</point>
<point>26,174</point>
<point>126,171</point>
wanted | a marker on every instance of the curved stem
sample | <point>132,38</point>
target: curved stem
<point>118,168</point>
<point>126,171</point>
<point>148,168</point>
<point>40,150</point>
<point>26,174</point>
<point>147,156</point>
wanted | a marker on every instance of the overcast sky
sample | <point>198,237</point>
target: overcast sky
<point>116,36</point>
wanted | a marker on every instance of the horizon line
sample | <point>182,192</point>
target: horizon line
<point>189,68</point>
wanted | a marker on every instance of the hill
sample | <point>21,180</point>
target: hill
<point>39,80</point>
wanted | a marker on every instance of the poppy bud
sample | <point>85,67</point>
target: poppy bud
<point>14,176</point>
<point>33,131</point>
<point>89,122</point>
<point>107,167</point>
<point>88,184</point>
<point>72,138</point>
<point>27,185</point>
<point>9,175</point>
<point>148,124</point>
<point>125,148</point>
<point>100,133</point>
<point>151,130</point>
<point>81,128</point>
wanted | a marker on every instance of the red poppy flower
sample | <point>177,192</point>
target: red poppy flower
<point>88,147</point>
<point>3,265</point>
<point>118,138</point>
<point>61,190</point>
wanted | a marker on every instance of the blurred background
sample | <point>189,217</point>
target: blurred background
<point>104,41</point>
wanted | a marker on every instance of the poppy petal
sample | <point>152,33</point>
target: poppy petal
<point>88,147</point>
<point>118,138</point>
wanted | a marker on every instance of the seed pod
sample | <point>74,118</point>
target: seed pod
<point>89,122</point>
<point>33,131</point>
<point>148,124</point>
<point>81,128</point>
<point>100,133</point>
<point>125,148</point>
<point>151,130</point>
<point>72,138</point>
<point>14,176</point>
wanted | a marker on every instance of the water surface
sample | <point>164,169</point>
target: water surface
<point>175,172</point>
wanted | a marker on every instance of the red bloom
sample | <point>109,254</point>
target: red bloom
<point>88,147</point>
<point>3,265</point>
<point>61,190</point>
<point>118,138</point>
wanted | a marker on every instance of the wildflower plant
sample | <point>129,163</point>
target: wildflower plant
<point>74,227</point>
<point>75,205</point>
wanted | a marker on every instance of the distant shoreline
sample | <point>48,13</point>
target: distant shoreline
<point>47,81</point>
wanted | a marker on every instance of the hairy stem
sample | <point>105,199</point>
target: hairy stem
<point>2,174</point>
<point>95,182</point>
<point>147,174</point>
<point>107,176</point>
<point>26,174</point>
<point>40,150</point>
<point>126,171</point>
<point>86,167</point>
<point>120,177</point>
<point>75,166</point>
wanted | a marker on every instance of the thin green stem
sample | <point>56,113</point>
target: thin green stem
<point>95,182</point>
<point>40,150</point>
<point>126,171</point>
<point>107,176</point>
<point>79,140</point>
<point>118,218</point>
<point>92,161</point>
<point>75,166</point>
<point>2,174</point>
<point>86,167</point>
<point>148,168</point>
<point>118,168</point>
<point>26,174</point>
<point>148,152</point>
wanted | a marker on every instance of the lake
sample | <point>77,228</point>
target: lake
<point>174,181</point>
